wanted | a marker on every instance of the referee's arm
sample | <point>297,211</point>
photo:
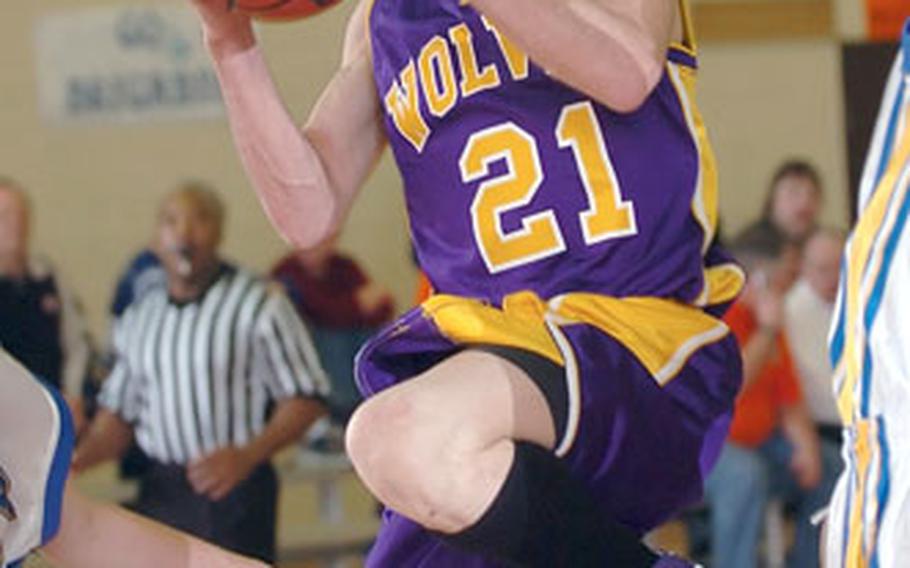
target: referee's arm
<point>295,382</point>
<point>110,433</point>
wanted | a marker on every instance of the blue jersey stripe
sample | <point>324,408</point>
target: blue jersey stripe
<point>884,481</point>
<point>56,479</point>
<point>905,46</point>
<point>836,347</point>
<point>875,299</point>
<point>866,383</point>
<point>888,145</point>
<point>894,117</point>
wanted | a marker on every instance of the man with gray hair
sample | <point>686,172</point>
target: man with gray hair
<point>809,307</point>
<point>214,375</point>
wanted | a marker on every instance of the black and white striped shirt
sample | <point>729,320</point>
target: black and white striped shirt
<point>196,377</point>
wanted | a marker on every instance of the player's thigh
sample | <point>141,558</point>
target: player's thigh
<point>470,401</point>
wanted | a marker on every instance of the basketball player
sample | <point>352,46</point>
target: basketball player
<point>569,386</point>
<point>869,518</point>
<point>36,438</point>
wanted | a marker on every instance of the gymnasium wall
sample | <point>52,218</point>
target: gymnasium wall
<point>95,187</point>
<point>764,102</point>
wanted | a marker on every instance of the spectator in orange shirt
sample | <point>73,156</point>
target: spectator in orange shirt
<point>424,288</point>
<point>773,449</point>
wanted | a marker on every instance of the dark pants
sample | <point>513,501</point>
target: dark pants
<point>244,521</point>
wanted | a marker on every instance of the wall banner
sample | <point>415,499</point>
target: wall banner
<point>124,64</point>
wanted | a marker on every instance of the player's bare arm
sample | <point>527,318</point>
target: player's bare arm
<point>306,178</point>
<point>627,39</point>
<point>102,536</point>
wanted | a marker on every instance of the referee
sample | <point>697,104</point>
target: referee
<point>213,374</point>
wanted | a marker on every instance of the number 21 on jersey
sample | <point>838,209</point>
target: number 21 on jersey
<point>608,216</point>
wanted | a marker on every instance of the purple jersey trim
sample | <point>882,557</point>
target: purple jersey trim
<point>677,55</point>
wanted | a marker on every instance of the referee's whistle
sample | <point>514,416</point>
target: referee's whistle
<point>184,261</point>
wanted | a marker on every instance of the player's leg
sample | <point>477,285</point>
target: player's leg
<point>436,448</point>
<point>464,450</point>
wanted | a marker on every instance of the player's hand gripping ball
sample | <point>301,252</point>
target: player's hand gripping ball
<point>281,10</point>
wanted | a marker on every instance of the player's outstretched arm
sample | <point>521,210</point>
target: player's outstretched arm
<point>306,178</point>
<point>94,535</point>
<point>613,50</point>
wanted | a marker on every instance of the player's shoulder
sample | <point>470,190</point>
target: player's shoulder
<point>360,17</point>
<point>26,402</point>
<point>357,34</point>
<point>19,387</point>
<point>34,461</point>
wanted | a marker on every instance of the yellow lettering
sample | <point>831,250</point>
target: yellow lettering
<point>473,79</point>
<point>609,216</point>
<point>402,105</point>
<point>516,59</point>
<point>437,76</point>
<point>539,236</point>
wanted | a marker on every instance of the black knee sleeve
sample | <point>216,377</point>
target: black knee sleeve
<point>542,516</point>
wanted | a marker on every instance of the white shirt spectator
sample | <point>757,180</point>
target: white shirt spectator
<point>808,320</point>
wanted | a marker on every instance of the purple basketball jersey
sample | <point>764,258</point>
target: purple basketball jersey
<point>516,181</point>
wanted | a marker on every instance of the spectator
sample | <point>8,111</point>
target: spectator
<point>809,309</point>
<point>214,375</point>
<point>343,308</point>
<point>773,449</point>
<point>794,200</point>
<point>41,324</point>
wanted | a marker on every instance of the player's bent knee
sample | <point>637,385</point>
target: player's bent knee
<point>368,435</point>
<point>401,456</point>
<point>380,438</point>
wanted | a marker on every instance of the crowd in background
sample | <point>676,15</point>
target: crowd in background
<point>210,369</point>
<point>784,438</point>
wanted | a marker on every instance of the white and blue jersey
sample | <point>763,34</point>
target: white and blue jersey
<point>36,441</point>
<point>869,522</point>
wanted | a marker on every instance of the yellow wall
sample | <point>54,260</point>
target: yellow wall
<point>765,102</point>
<point>850,19</point>
<point>95,187</point>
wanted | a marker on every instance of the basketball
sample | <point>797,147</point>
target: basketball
<point>282,10</point>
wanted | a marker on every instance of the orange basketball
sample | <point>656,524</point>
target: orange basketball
<point>282,10</point>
